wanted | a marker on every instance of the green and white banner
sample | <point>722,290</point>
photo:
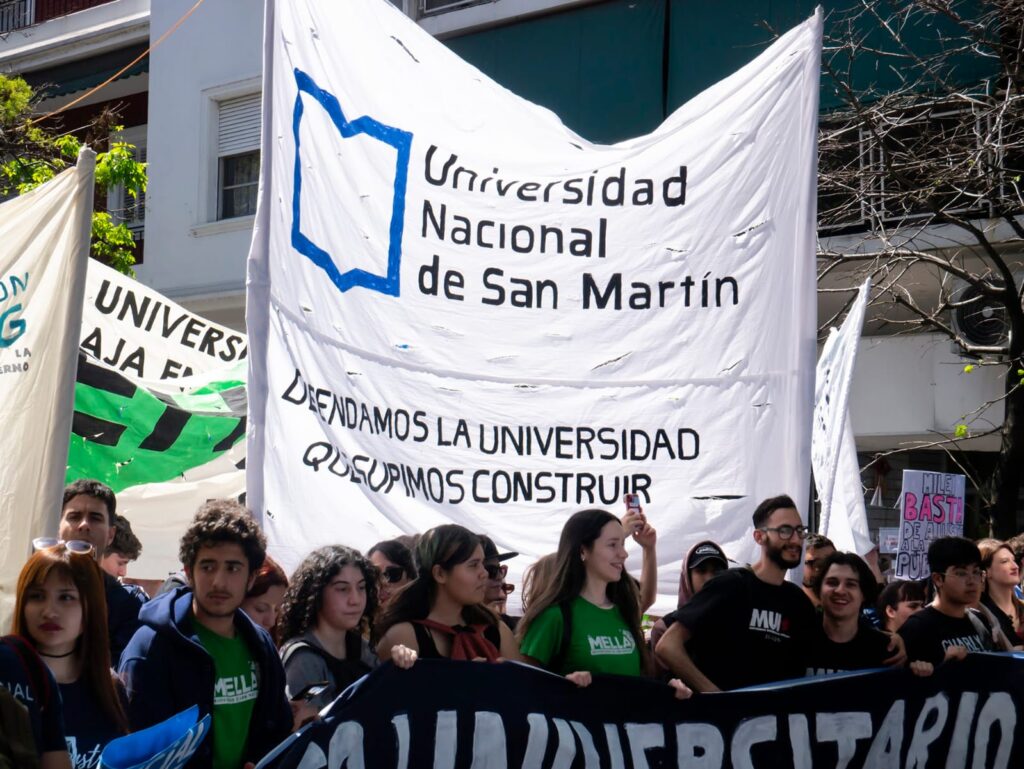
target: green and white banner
<point>160,410</point>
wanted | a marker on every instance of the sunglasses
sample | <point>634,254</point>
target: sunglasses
<point>496,571</point>
<point>392,574</point>
<point>73,545</point>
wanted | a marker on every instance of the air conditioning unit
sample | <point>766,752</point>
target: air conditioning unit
<point>979,319</point>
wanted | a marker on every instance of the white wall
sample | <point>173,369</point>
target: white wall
<point>217,52</point>
<point>912,388</point>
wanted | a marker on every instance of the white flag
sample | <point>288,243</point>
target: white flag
<point>44,247</point>
<point>833,452</point>
<point>460,311</point>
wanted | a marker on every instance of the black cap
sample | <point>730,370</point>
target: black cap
<point>705,551</point>
<point>491,550</point>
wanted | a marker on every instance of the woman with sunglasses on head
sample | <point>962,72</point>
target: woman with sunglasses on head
<point>61,610</point>
<point>394,562</point>
<point>586,619</point>
<point>441,613</point>
<point>263,601</point>
<point>325,614</point>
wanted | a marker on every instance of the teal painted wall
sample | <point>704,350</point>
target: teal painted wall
<point>615,69</point>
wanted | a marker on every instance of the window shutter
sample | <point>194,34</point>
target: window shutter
<point>238,125</point>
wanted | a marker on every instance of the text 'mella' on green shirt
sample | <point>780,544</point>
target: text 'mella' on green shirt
<point>601,641</point>
<point>234,695</point>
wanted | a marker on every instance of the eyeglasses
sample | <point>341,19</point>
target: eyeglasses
<point>786,531</point>
<point>974,575</point>
<point>392,574</point>
<point>496,571</point>
<point>74,545</point>
<point>507,588</point>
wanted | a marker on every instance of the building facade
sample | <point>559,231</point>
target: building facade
<point>611,69</point>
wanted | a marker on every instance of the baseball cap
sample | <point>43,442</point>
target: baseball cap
<point>491,550</point>
<point>705,551</point>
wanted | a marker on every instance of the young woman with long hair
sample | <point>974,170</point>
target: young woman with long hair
<point>394,562</point>
<point>441,614</point>
<point>263,601</point>
<point>1002,576</point>
<point>586,617</point>
<point>326,612</point>
<point>61,610</point>
<point>536,577</point>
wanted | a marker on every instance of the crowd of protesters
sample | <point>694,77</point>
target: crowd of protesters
<point>92,658</point>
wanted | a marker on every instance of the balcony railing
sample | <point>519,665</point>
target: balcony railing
<point>17,14</point>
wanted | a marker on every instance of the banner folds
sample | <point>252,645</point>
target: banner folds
<point>460,311</point>
<point>44,247</point>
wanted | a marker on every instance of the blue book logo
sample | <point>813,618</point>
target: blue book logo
<point>402,141</point>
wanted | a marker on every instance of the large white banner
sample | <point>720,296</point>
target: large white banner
<point>44,246</point>
<point>843,516</point>
<point>160,405</point>
<point>459,310</point>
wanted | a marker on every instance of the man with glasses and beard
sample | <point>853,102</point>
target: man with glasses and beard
<point>748,626</point>
<point>948,628</point>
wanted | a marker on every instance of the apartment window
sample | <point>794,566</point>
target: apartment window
<point>238,155</point>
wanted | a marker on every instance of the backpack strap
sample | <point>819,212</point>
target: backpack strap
<point>557,662</point>
<point>34,668</point>
<point>336,667</point>
<point>988,629</point>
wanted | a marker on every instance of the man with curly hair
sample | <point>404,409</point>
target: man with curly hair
<point>196,646</point>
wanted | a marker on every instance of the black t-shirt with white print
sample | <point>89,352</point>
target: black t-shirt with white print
<point>928,633</point>
<point>745,631</point>
<point>868,649</point>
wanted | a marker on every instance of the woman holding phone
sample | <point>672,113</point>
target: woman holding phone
<point>324,617</point>
<point>590,596</point>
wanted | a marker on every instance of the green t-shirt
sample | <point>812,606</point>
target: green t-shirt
<point>234,695</point>
<point>601,641</point>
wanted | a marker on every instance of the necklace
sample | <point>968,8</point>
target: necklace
<point>56,656</point>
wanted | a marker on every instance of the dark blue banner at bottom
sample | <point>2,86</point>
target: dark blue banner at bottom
<point>465,715</point>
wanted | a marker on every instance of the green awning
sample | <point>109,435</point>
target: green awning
<point>87,73</point>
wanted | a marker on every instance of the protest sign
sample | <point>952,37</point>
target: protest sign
<point>460,311</point>
<point>931,506</point>
<point>442,714</point>
<point>888,539</point>
<point>44,247</point>
<point>843,517</point>
<point>160,404</point>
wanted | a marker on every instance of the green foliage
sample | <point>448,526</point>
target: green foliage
<point>119,166</point>
<point>112,243</point>
<point>960,431</point>
<point>15,98</point>
<point>31,156</point>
